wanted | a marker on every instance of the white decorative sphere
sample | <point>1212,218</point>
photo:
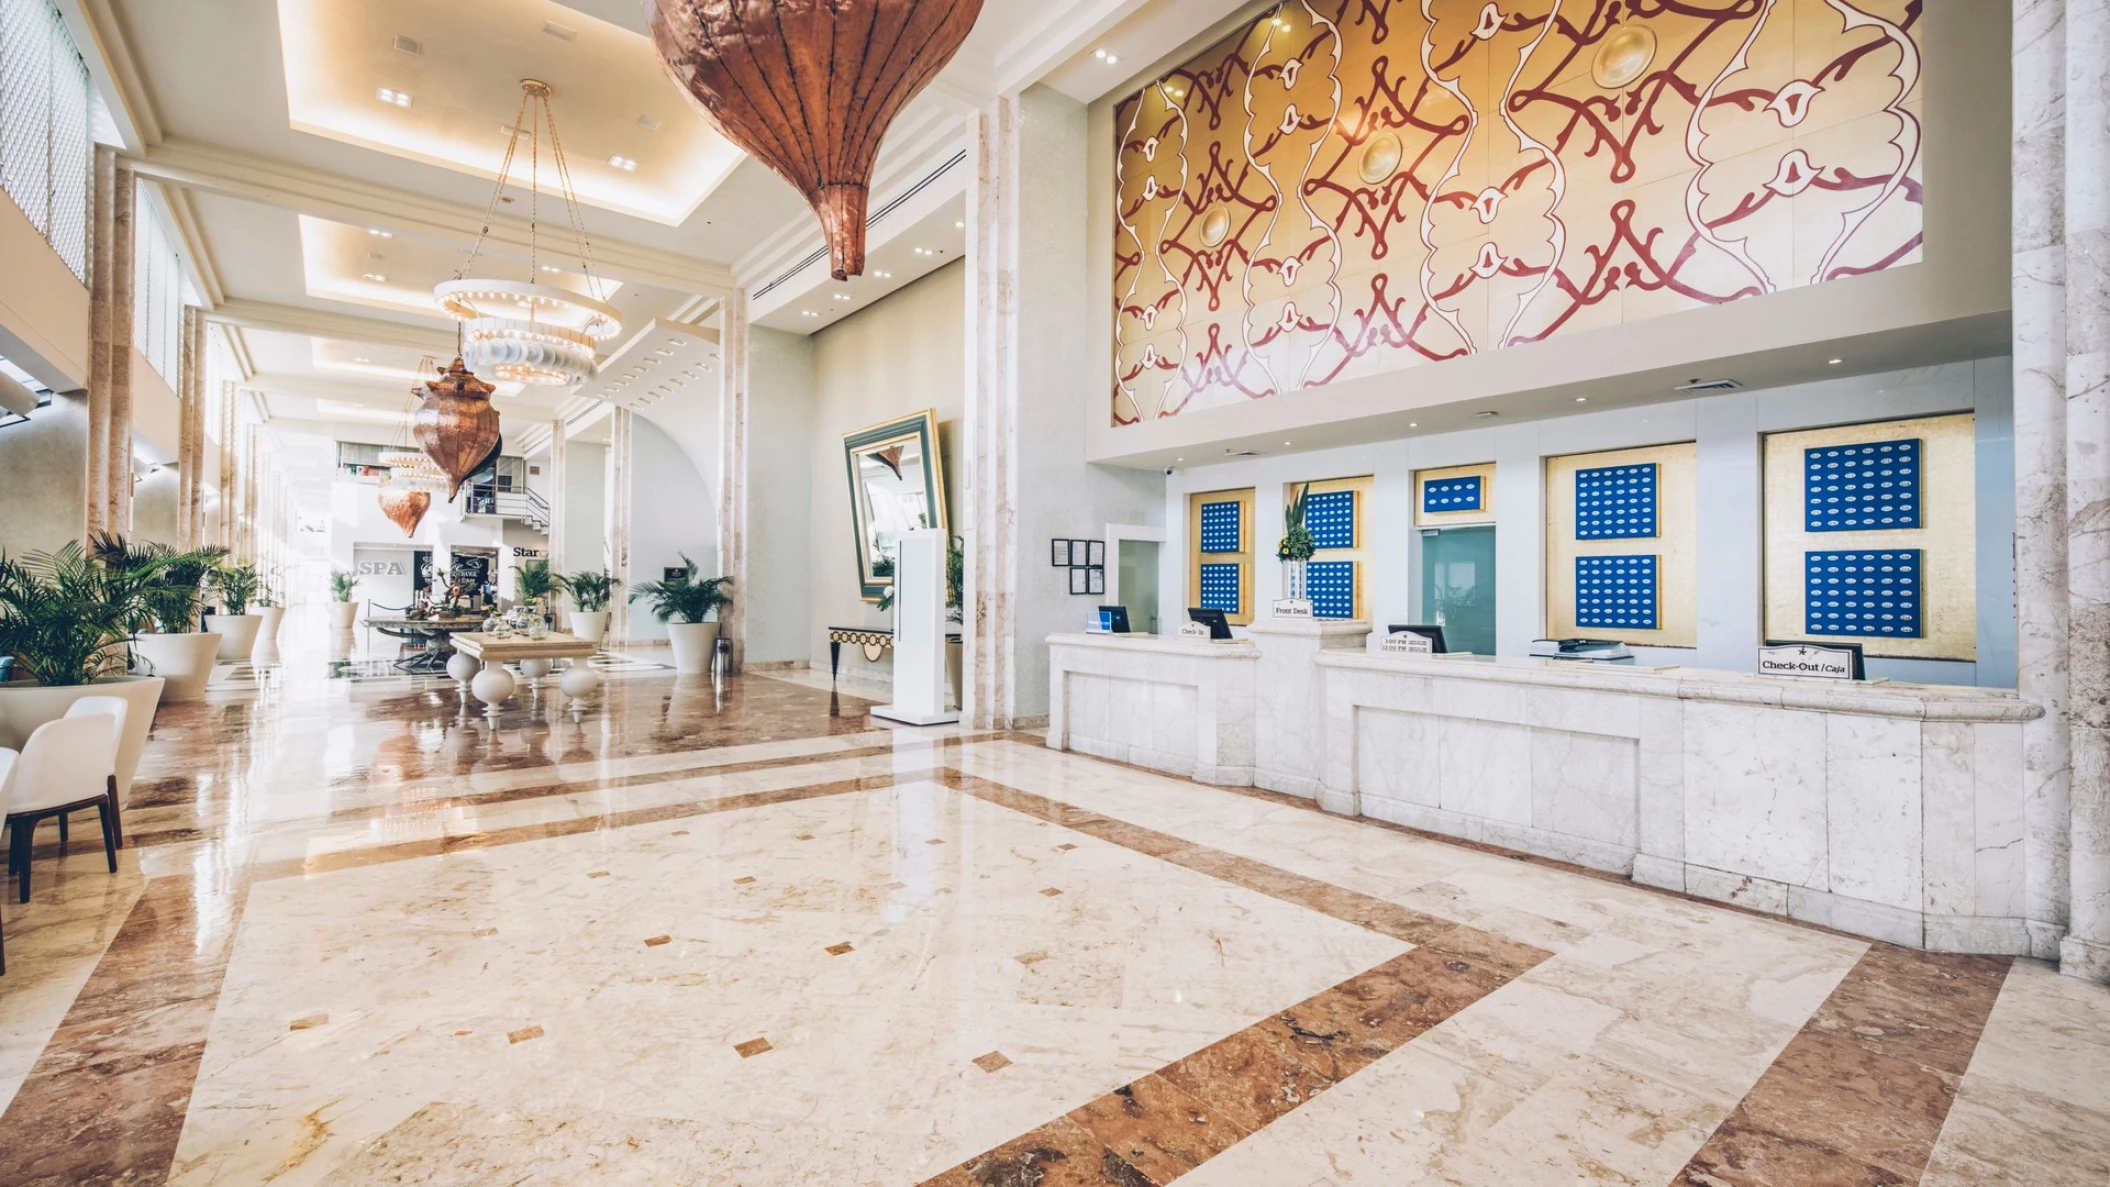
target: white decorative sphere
<point>535,669</point>
<point>578,682</point>
<point>492,685</point>
<point>462,668</point>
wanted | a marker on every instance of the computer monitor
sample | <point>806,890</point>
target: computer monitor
<point>1114,619</point>
<point>1434,634</point>
<point>1213,619</point>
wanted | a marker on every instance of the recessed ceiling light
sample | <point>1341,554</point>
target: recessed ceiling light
<point>399,98</point>
<point>376,277</point>
<point>958,225</point>
<point>1413,424</point>
<point>551,268</point>
<point>361,359</point>
<point>884,275</point>
<point>1836,362</point>
<point>808,313</point>
<point>378,231</point>
<point>557,31</point>
<point>1485,415</point>
<point>1105,57</point>
<point>924,251</point>
<point>1285,442</point>
<point>623,163</point>
<point>407,45</point>
<point>1582,399</point>
<point>648,123</point>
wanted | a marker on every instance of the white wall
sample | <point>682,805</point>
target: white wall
<point>896,358</point>
<point>1727,430</point>
<point>586,507</point>
<point>781,429</point>
<point>673,511</point>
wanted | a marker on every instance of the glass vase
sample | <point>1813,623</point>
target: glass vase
<point>1293,581</point>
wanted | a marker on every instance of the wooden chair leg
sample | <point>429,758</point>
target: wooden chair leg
<point>105,811</point>
<point>117,816</point>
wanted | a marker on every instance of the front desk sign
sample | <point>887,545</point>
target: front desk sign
<point>1804,659</point>
<point>1408,643</point>
<point>1193,630</point>
<point>1293,608</point>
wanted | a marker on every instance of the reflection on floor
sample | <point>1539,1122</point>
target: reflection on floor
<point>741,933</point>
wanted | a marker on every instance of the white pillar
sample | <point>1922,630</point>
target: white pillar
<point>619,522</point>
<point>101,324</point>
<point>989,478</point>
<point>732,468</point>
<point>117,512</point>
<point>558,532</point>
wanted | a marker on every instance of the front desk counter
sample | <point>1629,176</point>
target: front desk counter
<point>1888,810</point>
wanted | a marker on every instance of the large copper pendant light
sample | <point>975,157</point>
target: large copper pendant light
<point>809,86</point>
<point>456,425</point>
<point>404,507</point>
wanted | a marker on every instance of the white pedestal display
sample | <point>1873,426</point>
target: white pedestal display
<point>692,643</point>
<point>185,661</point>
<point>237,635</point>
<point>919,632</point>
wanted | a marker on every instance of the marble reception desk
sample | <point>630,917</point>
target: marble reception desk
<point>1159,701</point>
<point>1887,810</point>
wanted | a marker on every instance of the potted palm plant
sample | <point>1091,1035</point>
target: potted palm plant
<point>686,605</point>
<point>533,583</point>
<point>589,592</point>
<point>168,640</point>
<point>236,626</point>
<point>269,610</point>
<point>1297,546</point>
<point>344,612</point>
<point>65,618</point>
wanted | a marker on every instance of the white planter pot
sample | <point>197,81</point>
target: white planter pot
<point>185,661</point>
<point>693,643</point>
<point>344,615</point>
<point>24,707</point>
<point>272,616</point>
<point>237,635</point>
<point>590,625</point>
<point>955,653</point>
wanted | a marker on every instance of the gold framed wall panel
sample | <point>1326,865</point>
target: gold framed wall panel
<point>1675,544</point>
<point>1947,537</point>
<point>1485,471</point>
<point>1361,488</point>
<point>1243,558</point>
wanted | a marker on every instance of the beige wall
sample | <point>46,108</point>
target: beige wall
<point>44,476</point>
<point>900,356</point>
<point>43,308</point>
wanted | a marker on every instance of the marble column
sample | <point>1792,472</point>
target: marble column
<point>2085,951</point>
<point>2039,353</point>
<point>117,514</point>
<point>732,468</point>
<point>224,442</point>
<point>989,477</point>
<point>189,386</point>
<point>101,322</point>
<point>557,525</point>
<point>618,503</point>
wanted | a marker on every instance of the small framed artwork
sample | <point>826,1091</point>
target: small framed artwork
<point>1059,553</point>
<point>1096,582</point>
<point>1080,580</point>
<point>1096,551</point>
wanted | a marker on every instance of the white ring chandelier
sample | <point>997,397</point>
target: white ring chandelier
<point>522,330</point>
<point>410,469</point>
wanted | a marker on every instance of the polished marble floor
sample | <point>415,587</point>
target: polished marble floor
<point>747,935</point>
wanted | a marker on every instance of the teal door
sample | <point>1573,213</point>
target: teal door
<point>1458,585</point>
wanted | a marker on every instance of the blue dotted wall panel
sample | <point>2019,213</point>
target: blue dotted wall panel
<point>1331,585</point>
<point>1869,487</point>
<point>1220,588</point>
<point>1615,502</point>
<point>1451,494</point>
<point>1220,528</point>
<point>1330,518</point>
<point>1863,592</point>
<point>1616,592</point>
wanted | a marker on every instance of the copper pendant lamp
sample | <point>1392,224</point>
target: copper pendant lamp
<point>809,86</point>
<point>456,425</point>
<point>405,508</point>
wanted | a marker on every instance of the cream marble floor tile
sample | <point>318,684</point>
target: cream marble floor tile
<point>954,952</point>
<point>53,944</point>
<point>2034,1106</point>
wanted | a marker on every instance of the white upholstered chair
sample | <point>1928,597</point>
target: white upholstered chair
<point>65,766</point>
<point>109,707</point>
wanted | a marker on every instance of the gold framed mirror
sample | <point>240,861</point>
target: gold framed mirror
<point>897,484</point>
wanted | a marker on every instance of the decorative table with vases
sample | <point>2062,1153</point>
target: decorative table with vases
<point>434,631</point>
<point>536,657</point>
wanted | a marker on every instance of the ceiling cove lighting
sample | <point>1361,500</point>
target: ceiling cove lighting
<point>624,163</point>
<point>524,331</point>
<point>399,98</point>
<point>376,277</point>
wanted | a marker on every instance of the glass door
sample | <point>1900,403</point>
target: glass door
<point>1458,585</point>
<point>1136,577</point>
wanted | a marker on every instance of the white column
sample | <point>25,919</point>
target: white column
<point>619,522</point>
<point>102,239</point>
<point>989,477</point>
<point>558,529</point>
<point>117,514</point>
<point>2085,951</point>
<point>190,386</point>
<point>2039,354</point>
<point>732,467</point>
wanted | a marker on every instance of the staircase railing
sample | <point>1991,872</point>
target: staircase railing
<point>524,505</point>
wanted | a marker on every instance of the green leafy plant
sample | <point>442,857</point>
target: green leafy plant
<point>342,583</point>
<point>237,585</point>
<point>684,598</point>
<point>1297,543</point>
<point>534,581</point>
<point>589,590</point>
<point>65,616</point>
<point>172,582</point>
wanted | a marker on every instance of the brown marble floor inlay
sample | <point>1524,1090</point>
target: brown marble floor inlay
<point>523,1034</point>
<point>752,1047</point>
<point>993,1062</point>
<point>656,941</point>
<point>1860,1093</point>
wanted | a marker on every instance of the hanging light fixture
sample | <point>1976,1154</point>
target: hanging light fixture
<point>413,479</point>
<point>809,88</point>
<point>523,330</point>
<point>456,425</point>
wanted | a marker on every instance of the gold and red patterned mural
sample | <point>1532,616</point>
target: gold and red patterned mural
<point>1355,186</point>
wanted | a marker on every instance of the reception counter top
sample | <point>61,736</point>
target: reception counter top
<point>1887,810</point>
